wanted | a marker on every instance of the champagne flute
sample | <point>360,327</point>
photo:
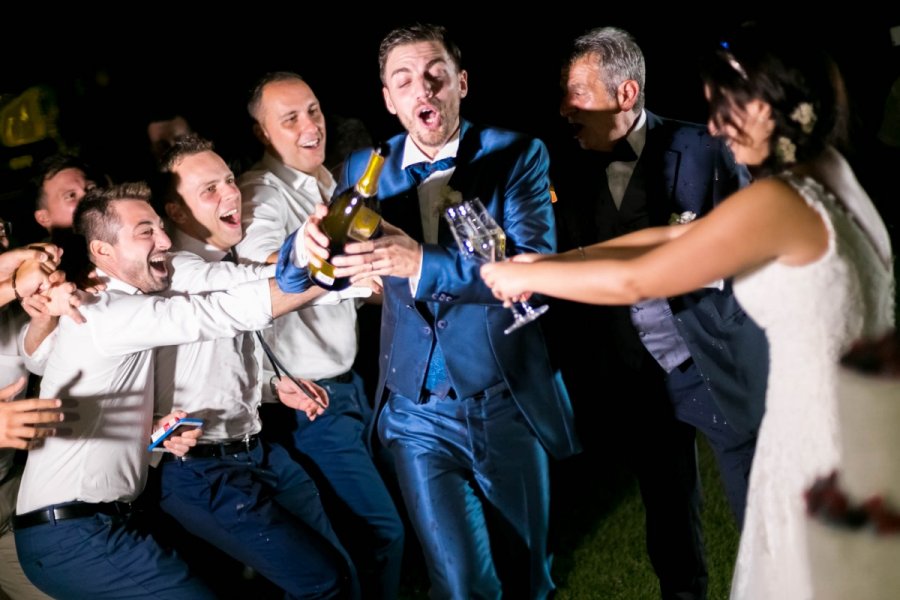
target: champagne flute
<point>479,237</point>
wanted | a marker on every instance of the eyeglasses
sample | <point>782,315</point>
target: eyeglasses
<point>725,52</point>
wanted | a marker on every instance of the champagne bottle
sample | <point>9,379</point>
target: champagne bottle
<point>350,218</point>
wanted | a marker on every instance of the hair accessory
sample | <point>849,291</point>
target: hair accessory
<point>786,150</point>
<point>805,116</point>
<point>731,60</point>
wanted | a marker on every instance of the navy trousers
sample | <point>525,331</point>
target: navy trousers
<point>695,406</point>
<point>475,482</point>
<point>103,556</point>
<point>333,450</point>
<point>261,508</point>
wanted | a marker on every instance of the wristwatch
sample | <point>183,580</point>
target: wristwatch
<point>273,382</point>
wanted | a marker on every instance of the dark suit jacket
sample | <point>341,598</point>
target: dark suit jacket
<point>509,174</point>
<point>682,169</point>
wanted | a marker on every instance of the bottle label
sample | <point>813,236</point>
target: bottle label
<point>364,224</point>
<point>323,278</point>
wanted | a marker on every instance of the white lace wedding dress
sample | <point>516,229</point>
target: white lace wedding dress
<point>811,315</point>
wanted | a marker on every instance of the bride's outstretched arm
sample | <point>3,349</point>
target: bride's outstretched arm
<point>763,222</point>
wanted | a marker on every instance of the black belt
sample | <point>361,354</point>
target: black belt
<point>71,510</point>
<point>217,450</point>
<point>342,378</point>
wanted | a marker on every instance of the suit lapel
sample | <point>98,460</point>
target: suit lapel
<point>461,180</point>
<point>469,148</point>
<point>658,170</point>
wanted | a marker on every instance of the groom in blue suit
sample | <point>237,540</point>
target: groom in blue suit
<point>469,415</point>
<point>671,366</point>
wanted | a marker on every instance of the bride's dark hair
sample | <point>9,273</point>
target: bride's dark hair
<point>799,81</point>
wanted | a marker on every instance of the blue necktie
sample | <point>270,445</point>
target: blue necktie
<point>422,170</point>
<point>437,381</point>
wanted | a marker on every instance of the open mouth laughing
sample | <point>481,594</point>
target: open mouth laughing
<point>429,116</point>
<point>311,144</point>
<point>158,265</point>
<point>230,218</point>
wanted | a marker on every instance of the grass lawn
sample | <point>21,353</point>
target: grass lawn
<point>600,546</point>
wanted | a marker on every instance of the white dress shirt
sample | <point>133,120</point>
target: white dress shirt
<point>218,381</point>
<point>432,190</point>
<point>313,342</point>
<point>618,173</point>
<point>103,371</point>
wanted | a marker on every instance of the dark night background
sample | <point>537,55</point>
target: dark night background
<point>110,80</point>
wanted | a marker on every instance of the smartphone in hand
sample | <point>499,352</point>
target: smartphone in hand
<point>161,434</point>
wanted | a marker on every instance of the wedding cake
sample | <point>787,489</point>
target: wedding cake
<point>854,524</point>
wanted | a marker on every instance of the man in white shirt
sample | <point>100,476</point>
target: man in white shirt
<point>74,530</point>
<point>318,342</point>
<point>220,382</point>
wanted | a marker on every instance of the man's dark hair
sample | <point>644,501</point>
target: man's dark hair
<point>256,91</point>
<point>413,34</point>
<point>183,146</point>
<point>95,218</point>
<point>50,167</point>
<point>163,184</point>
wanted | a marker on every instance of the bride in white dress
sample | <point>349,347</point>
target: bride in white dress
<point>811,261</point>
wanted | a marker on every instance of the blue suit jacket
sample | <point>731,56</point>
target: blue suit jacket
<point>684,168</point>
<point>509,174</point>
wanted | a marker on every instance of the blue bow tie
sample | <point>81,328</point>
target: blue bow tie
<point>422,170</point>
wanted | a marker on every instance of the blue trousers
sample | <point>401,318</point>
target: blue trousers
<point>333,450</point>
<point>102,557</point>
<point>261,508</point>
<point>475,482</point>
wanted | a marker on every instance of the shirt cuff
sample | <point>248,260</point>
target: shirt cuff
<point>414,281</point>
<point>332,298</point>
<point>298,249</point>
<point>291,279</point>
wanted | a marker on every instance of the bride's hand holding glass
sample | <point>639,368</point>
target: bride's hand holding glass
<point>508,280</point>
<point>479,237</point>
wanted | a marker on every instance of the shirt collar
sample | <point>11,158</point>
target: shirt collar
<point>113,283</point>
<point>637,137</point>
<point>298,180</point>
<point>412,154</point>
<point>188,243</point>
